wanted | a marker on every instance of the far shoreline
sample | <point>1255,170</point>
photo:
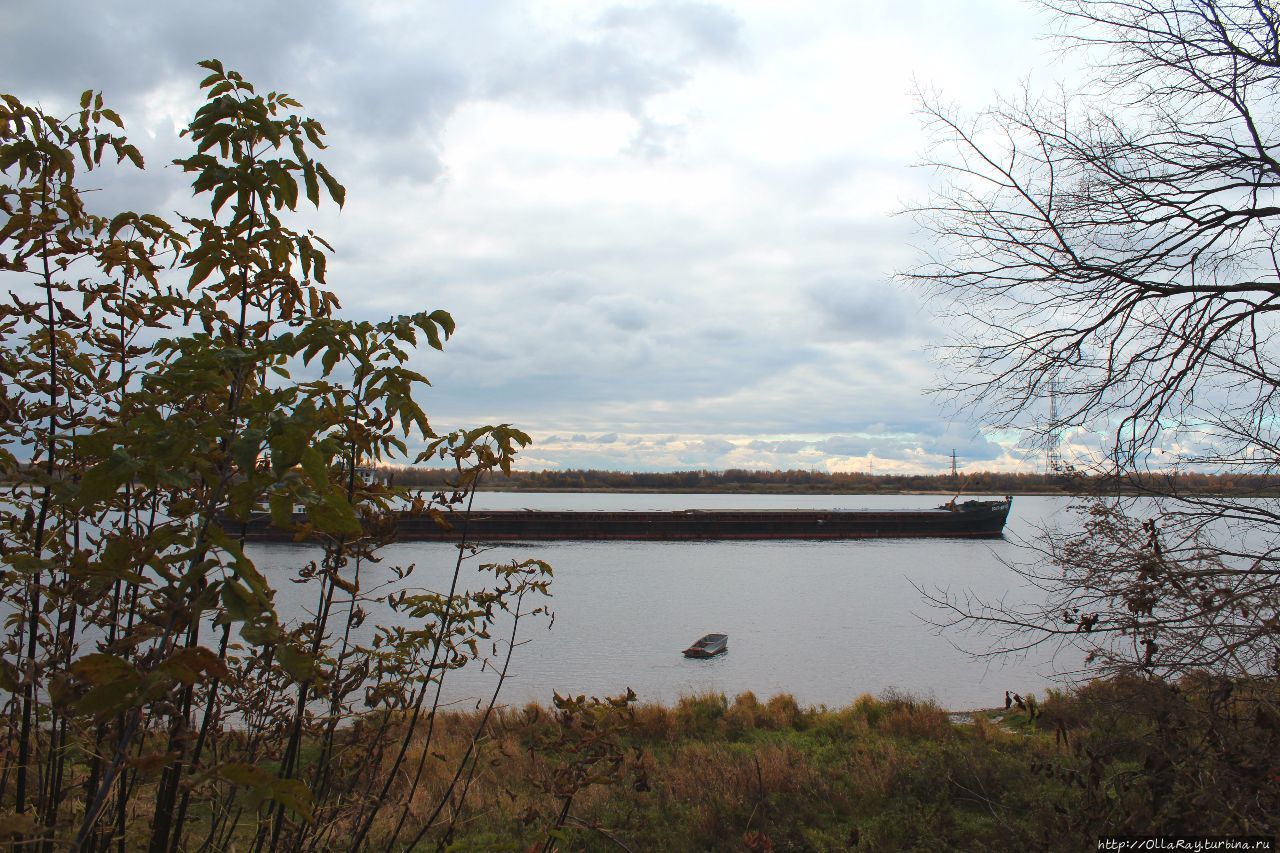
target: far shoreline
<point>858,492</point>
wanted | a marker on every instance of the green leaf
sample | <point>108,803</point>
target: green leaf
<point>220,196</point>
<point>259,633</point>
<point>103,480</point>
<point>193,664</point>
<point>246,774</point>
<point>281,510</point>
<point>134,155</point>
<point>8,677</point>
<point>94,444</point>
<point>334,515</point>
<point>27,564</point>
<point>315,467</point>
<point>240,603</point>
<point>202,267</point>
<point>337,192</point>
<point>309,179</point>
<point>293,794</point>
<point>265,785</point>
<point>246,448</point>
<point>300,665</point>
<point>101,668</point>
<point>107,699</point>
<point>288,441</point>
<point>117,555</point>
<point>241,565</point>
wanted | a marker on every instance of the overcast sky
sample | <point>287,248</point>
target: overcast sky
<point>666,230</point>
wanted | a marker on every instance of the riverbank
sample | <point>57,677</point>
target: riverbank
<point>1129,756</point>
<point>746,774</point>
<point>894,773</point>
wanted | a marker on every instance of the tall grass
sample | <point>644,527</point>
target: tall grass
<point>751,774</point>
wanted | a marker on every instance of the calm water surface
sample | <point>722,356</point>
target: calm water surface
<point>825,621</point>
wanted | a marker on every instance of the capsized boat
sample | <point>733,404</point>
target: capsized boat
<point>708,646</point>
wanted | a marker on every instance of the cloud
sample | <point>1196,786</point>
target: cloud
<point>844,445</point>
<point>785,447</point>
<point>863,310</point>
<point>882,453</point>
<point>662,222</point>
<point>622,60</point>
<point>705,451</point>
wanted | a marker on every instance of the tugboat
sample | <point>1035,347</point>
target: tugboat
<point>709,646</point>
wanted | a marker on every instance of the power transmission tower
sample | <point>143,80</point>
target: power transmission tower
<point>955,475</point>
<point>1053,442</point>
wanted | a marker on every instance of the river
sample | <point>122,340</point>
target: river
<point>825,621</point>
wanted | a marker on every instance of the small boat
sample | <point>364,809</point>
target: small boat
<point>708,646</point>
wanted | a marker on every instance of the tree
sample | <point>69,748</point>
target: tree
<point>1116,245</point>
<point>154,696</point>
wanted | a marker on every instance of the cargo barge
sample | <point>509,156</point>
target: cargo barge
<point>970,520</point>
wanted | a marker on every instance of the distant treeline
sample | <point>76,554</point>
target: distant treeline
<point>801,481</point>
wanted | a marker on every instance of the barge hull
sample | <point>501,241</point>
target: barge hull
<point>979,520</point>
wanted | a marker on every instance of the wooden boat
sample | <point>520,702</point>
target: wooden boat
<point>709,646</point>
<point>971,519</point>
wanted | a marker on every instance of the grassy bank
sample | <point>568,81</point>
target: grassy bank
<point>896,774</point>
<point>1125,756</point>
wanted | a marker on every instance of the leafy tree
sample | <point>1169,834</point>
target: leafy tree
<point>155,697</point>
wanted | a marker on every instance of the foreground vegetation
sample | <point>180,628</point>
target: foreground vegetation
<point>164,379</point>
<point>1121,756</point>
<point>1128,755</point>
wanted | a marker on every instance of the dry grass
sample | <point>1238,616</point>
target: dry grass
<point>880,773</point>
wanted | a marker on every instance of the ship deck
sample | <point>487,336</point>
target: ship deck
<point>977,520</point>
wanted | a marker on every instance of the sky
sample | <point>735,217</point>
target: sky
<point>669,232</point>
